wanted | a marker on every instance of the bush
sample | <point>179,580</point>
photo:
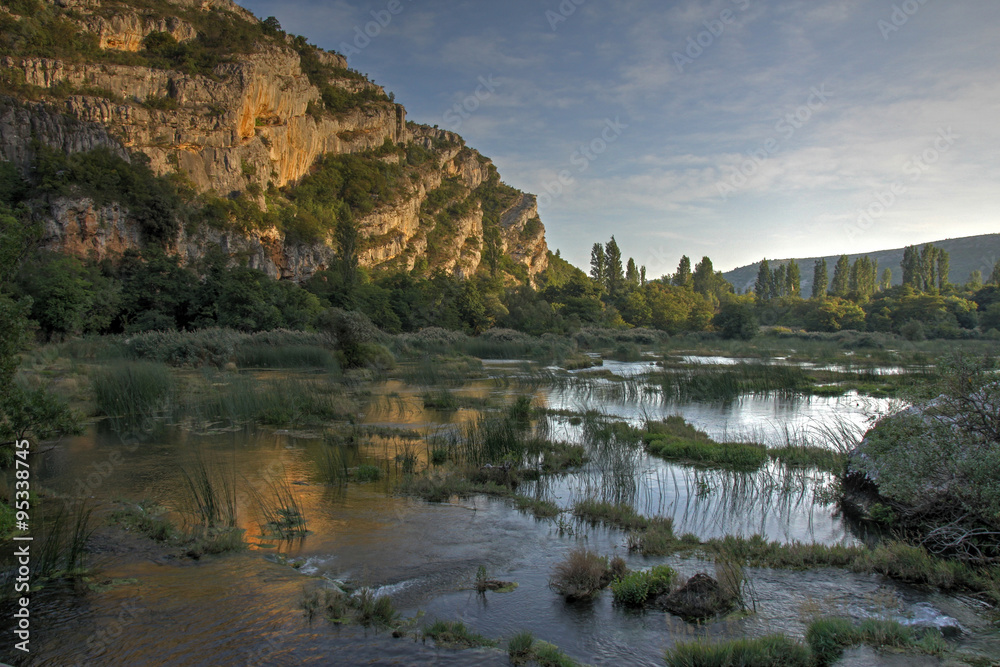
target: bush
<point>636,588</point>
<point>581,575</point>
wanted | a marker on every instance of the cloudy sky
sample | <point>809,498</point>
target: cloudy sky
<point>737,129</point>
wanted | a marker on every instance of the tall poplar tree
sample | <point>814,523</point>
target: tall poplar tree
<point>821,281</point>
<point>841,277</point>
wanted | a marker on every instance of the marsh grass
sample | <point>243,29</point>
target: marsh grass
<point>895,559</point>
<point>243,399</point>
<point>617,515</point>
<point>334,464</point>
<point>60,549</point>
<point>211,491</point>
<point>281,515</point>
<point>519,647</point>
<point>676,440</point>
<point>456,635</point>
<point>132,391</point>
<point>146,518</point>
<point>705,383</point>
<point>541,509</point>
<point>263,355</point>
<point>828,637</point>
<point>332,604</point>
<point>373,610</point>
<point>768,651</point>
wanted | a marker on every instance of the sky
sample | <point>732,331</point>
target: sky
<point>736,129</point>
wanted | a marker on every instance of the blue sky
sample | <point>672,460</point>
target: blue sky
<point>736,129</point>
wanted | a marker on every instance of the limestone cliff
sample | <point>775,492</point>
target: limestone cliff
<point>256,122</point>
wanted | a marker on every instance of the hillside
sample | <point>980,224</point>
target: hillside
<point>262,143</point>
<point>967,254</point>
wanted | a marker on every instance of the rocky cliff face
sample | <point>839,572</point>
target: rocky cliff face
<point>255,123</point>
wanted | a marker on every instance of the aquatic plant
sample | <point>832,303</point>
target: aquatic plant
<point>612,514</point>
<point>211,493</point>
<point>519,647</point>
<point>542,509</point>
<point>261,355</point>
<point>455,635</point>
<point>581,575</point>
<point>373,610</point>
<point>828,637</point>
<point>146,518</point>
<point>60,549</point>
<point>132,391</point>
<point>636,588</point>
<point>768,651</point>
<point>281,515</point>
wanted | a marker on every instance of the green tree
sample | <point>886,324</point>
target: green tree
<point>778,284</point>
<point>598,265</point>
<point>683,276</point>
<point>943,269</point>
<point>912,274</point>
<point>841,277</point>
<point>737,320</point>
<point>631,274</point>
<point>995,275</point>
<point>793,279</point>
<point>25,410</point>
<point>820,279</point>
<point>347,246</point>
<point>886,279</point>
<point>975,280</point>
<point>762,286</point>
<point>613,271</point>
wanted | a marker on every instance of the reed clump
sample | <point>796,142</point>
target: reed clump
<point>456,635</point>
<point>132,391</point>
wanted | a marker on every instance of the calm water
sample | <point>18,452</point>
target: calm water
<point>245,608</point>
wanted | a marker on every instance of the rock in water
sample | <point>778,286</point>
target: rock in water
<point>700,598</point>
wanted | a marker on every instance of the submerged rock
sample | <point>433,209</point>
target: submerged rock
<point>700,598</point>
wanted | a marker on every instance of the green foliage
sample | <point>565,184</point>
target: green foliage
<point>933,461</point>
<point>737,320</point>
<point>106,178</point>
<point>636,588</point>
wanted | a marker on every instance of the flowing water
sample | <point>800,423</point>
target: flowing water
<point>245,608</point>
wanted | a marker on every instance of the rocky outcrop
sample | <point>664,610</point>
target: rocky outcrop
<point>255,123</point>
<point>249,127</point>
<point>524,236</point>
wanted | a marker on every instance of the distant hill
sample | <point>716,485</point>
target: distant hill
<point>967,254</point>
